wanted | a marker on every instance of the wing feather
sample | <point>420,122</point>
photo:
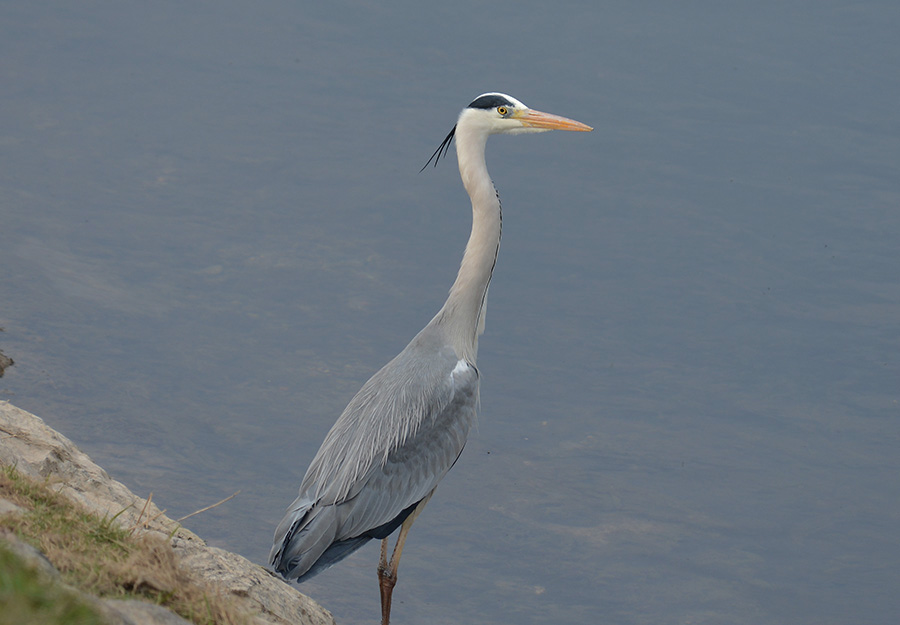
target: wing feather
<point>388,450</point>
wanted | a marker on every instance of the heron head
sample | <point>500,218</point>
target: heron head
<point>498,113</point>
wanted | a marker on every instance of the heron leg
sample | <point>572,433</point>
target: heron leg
<point>387,571</point>
<point>386,583</point>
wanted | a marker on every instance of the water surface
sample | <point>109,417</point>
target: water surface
<point>213,230</point>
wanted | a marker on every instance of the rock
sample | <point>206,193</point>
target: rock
<point>132,612</point>
<point>40,451</point>
<point>114,611</point>
<point>5,361</point>
<point>29,554</point>
<point>8,507</point>
<point>230,571</point>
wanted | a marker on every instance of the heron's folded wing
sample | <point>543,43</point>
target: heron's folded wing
<point>395,441</point>
<point>413,469</point>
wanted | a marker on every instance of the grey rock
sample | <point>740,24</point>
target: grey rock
<point>8,507</point>
<point>29,554</point>
<point>40,451</point>
<point>114,611</point>
<point>132,612</point>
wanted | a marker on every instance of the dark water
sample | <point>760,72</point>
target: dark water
<point>213,230</point>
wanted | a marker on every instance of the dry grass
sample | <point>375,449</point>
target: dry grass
<point>100,557</point>
<point>27,598</point>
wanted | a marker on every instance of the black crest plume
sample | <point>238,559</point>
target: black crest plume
<point>442,150</point>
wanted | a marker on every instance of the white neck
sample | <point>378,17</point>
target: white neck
<point>462,316</point>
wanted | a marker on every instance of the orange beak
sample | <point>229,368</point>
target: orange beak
<point>537,119</point>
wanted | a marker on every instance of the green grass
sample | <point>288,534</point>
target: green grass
<point>27,598</point>
<point>96,555</point>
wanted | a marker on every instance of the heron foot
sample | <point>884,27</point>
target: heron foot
<point>387,571</point>
<point>387,579</point>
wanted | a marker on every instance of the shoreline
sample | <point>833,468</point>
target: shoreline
<point>39,451</point>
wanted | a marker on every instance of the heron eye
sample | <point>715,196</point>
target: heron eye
<point>502,110</point>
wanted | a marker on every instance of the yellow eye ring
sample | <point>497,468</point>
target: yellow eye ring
<point>502,110</point>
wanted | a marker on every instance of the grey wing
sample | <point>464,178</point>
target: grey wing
<point>395,441</point>
<point>414,467</point>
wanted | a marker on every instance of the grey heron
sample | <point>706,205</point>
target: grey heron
<point>400,434</point>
